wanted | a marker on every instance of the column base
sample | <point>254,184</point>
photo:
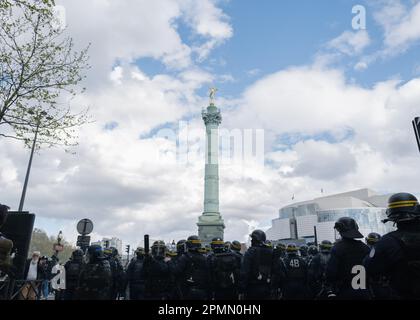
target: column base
<point>210,225</point>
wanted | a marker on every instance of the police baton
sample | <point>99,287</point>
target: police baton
<point>146,244</point>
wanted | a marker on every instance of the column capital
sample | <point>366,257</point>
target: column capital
<point>212,115</point>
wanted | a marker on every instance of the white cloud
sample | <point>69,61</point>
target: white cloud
<point>360,66</point>
<point>350,43</point>
<point>207,21</point>
<point>401,26</point>
<point>126,30</point>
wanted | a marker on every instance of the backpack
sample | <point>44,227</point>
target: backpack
<point>295,268</point>
<point>224,267</point>
<point>264,264</point>
<point>197,275</point>
<point>408,272</point>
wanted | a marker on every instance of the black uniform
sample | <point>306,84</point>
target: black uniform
<point>397,257</point>
<point>224,275</point>
<point>73,268</point>
<point>256,273</point>
<point>135,278</point>
<point>317,275</point>
<point>118,277</point>
<point>157,277</point>
<point>346,254</point>
<point>194,277</point>
<point>95,280</point>
<point>293,277</point>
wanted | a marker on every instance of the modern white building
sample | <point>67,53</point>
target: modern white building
<point>302,219</point>
<point>111,242</point>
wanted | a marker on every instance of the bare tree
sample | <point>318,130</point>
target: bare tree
<point>40,72</point>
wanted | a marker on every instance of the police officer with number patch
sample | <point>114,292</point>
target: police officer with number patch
<point>256,269</point>
<point>293,275</point>
<point>224,269</point>
<point>345,274</point>
<point>397,254</point>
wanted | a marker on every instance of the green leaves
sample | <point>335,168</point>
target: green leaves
<point>39,71</point>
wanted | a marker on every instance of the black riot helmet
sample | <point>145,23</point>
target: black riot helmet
<point>292,248</point>
<point>181,247</point>
<point>94,252</point>
<point>236,246</point>
<point>139,252</point>
<point>77,255</point>
<point>281,247</point>
<point>159,249</point>
<point>303,249</point>
<point>268,244</point>
<point>258,237</point>
<point>402,207</point>
<point>348,228</point>
<point>3,213</point>
<point>193,243</point>
<point>325,246</point>
<point>114,251</point>
<point>373,238</point>
<point>107,253</point>
<point>217,245</point>
<point>312,250</point>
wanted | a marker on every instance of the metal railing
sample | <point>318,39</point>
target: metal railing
<point>11,289</point>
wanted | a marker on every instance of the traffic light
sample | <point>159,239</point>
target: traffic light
<point>127,249</point>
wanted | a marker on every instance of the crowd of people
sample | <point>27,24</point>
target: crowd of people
<point>380,267</point>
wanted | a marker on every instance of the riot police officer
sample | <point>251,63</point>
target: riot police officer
<point>157,273</point>
<point>256,269</point>
<point>224,269</point>
<point>181,248</point>
<point>397,254</point>
<point>192,271</point>
<point>118,274</point>
<point>317,271</point>
<point>378,284</point>
<point>135,276</point>
<point>372,239</point>
<point>236,247</point>
<point>73,268</point>
<point>312,252</point>
<point>346,262</point>
<point>293,275</point>
<point>95,277</point>
<point>303,250</point>
<point>236,250</point>
<point>279,251</point>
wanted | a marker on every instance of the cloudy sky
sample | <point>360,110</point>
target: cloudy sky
<point>335,104</point>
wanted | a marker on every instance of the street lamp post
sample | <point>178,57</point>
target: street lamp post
<point>25,185</point>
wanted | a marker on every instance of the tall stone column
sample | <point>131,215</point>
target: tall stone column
<point>210,223</point>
